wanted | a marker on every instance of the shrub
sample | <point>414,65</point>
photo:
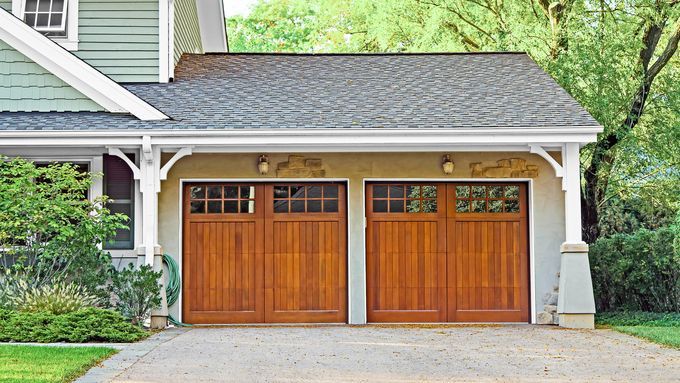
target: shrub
<point>136,292</point>
<point>49,230</point>
<point>639,271</point>
<point>638,318</point>
<point>86,325</point>
<point>59,298</point>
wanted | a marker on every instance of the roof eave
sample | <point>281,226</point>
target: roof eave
<point>72,70</point>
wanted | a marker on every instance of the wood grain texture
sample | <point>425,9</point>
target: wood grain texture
<point>447,266</point>
<point>264,267</point>
<point>406,265</point>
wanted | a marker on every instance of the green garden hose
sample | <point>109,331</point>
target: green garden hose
<point>173,287</point>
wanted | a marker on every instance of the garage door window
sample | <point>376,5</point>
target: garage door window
<point>305,199</point>
<point>487,199</point>
<point>404,198</point>
<point>218,199</point>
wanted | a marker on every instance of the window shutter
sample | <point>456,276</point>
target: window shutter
<point>119,186</point>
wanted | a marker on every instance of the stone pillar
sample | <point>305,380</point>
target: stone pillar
<point>575,303</point>
<point>159,317</point>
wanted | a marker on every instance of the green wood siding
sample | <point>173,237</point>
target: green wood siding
<point>187,30</point>
<point>120,38</point>
<point>27,87</point>
<point>6,4</point>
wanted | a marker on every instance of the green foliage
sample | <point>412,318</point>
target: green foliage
<point>638,318</point>
<point>49,230</point>
<point>639,271</point>
<point>59,298</point>
<point>137,291</point>
<point>56,364</point>
<point>86,325</point>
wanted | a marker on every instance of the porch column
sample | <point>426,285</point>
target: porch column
<point>575,303</point>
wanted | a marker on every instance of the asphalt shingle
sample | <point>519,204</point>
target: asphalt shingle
<point>392,91</point>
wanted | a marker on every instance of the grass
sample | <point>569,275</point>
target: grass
<point>40,364</point>
<point>669,336</point>
<point>656,327</point>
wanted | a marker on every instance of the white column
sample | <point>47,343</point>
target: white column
<point>572,197</point>
<point>149,186</point>
<point>575,304</point>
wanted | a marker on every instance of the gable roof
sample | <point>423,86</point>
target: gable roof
<point>72,70</point>
<point>379,91</point>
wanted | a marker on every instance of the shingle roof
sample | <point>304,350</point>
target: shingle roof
<point>249,91</point>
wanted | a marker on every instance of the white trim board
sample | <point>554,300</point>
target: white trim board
<point>72,70</point>
<point>307,140</point>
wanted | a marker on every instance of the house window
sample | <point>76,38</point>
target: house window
<point>119,186</point>
<point>57,19</point>
<point>47,16</point>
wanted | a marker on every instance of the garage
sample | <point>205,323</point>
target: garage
<point>447,252</point>
<point>264,253</point>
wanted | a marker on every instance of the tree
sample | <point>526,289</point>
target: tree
<point>49,231</point>
<point>617,58</point>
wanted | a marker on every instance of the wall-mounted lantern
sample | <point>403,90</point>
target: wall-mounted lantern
<point>263,164</point>
<point>447,164</point>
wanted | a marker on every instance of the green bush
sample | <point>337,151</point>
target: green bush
<point>86,325</point>
<point>136,292</point>
<point>53,232</point>
<point>638,271</point>
<point>57,298</point>
<point>638,318</point>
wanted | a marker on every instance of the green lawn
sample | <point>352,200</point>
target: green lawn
<point>669,336</point>
<point>662,328</point>
<point>48,364</point>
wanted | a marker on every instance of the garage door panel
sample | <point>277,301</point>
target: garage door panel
<point>488,262</point>
<point>306,254</point>
<point>221,271</point>
<point>245,263</point>
<point>488,256</point>
<point>406,254</point>
<point>306,260</point>
<point>465,258</point>
<point>405,266</point>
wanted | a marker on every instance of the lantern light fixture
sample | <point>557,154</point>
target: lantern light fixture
<point>447,164</point>
<point>263,164</point>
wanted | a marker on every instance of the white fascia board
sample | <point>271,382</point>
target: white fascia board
<point>307,140</point>
<point>212,25</point>
<point>72,70</point>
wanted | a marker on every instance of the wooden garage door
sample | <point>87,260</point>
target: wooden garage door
<point>269,253</point>
<point>447,252</point>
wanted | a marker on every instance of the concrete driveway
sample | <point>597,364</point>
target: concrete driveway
<point>390,354</point>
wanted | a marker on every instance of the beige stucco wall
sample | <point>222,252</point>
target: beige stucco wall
<point>546,194</point>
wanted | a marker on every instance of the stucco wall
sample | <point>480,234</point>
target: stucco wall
<point>546,193</point>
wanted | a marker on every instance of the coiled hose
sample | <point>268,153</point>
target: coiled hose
<point>173,287</point>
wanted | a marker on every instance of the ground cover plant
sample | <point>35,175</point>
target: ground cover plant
<point>662,328</point>
<point>57,364</point>
<point>55,280</point>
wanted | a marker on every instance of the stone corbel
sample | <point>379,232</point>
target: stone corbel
<point>559,170</point>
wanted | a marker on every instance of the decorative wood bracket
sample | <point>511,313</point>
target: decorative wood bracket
<point>559,170</point>
<point>185,151</point>
<point>136,174</point>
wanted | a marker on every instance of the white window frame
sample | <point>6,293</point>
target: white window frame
<point>70,41</point>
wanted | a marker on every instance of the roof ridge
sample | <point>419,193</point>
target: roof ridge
<point>359,53</point>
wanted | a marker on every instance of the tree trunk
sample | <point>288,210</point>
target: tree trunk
<point>597,174</point>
